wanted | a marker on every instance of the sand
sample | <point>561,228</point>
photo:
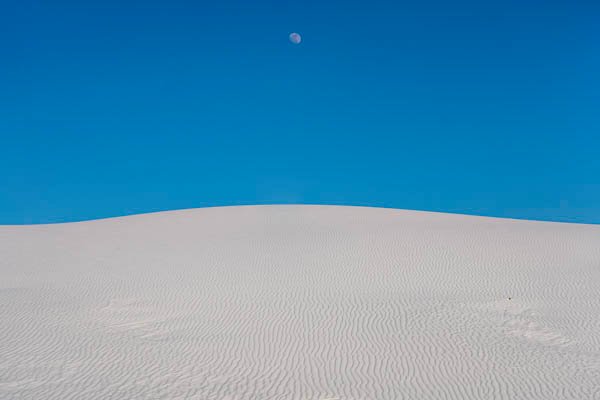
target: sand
<point>300,302</point>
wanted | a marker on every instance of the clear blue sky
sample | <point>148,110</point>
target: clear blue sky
<point>117,107</point>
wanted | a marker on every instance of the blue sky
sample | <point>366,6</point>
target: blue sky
<point>111,107</point>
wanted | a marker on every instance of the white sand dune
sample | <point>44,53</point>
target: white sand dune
<point>300,302</point>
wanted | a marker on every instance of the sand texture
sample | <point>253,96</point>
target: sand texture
<point>300,302</point>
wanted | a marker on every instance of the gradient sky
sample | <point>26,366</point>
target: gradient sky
<point>111,107</point>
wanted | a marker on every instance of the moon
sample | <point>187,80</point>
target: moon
<point>295,38</point>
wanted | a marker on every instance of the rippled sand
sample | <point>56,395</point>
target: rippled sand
<point>300,302</point>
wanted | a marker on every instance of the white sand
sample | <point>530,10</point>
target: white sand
<point>300,302</point>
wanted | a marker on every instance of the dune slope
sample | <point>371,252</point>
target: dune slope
<point>300,302</point>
